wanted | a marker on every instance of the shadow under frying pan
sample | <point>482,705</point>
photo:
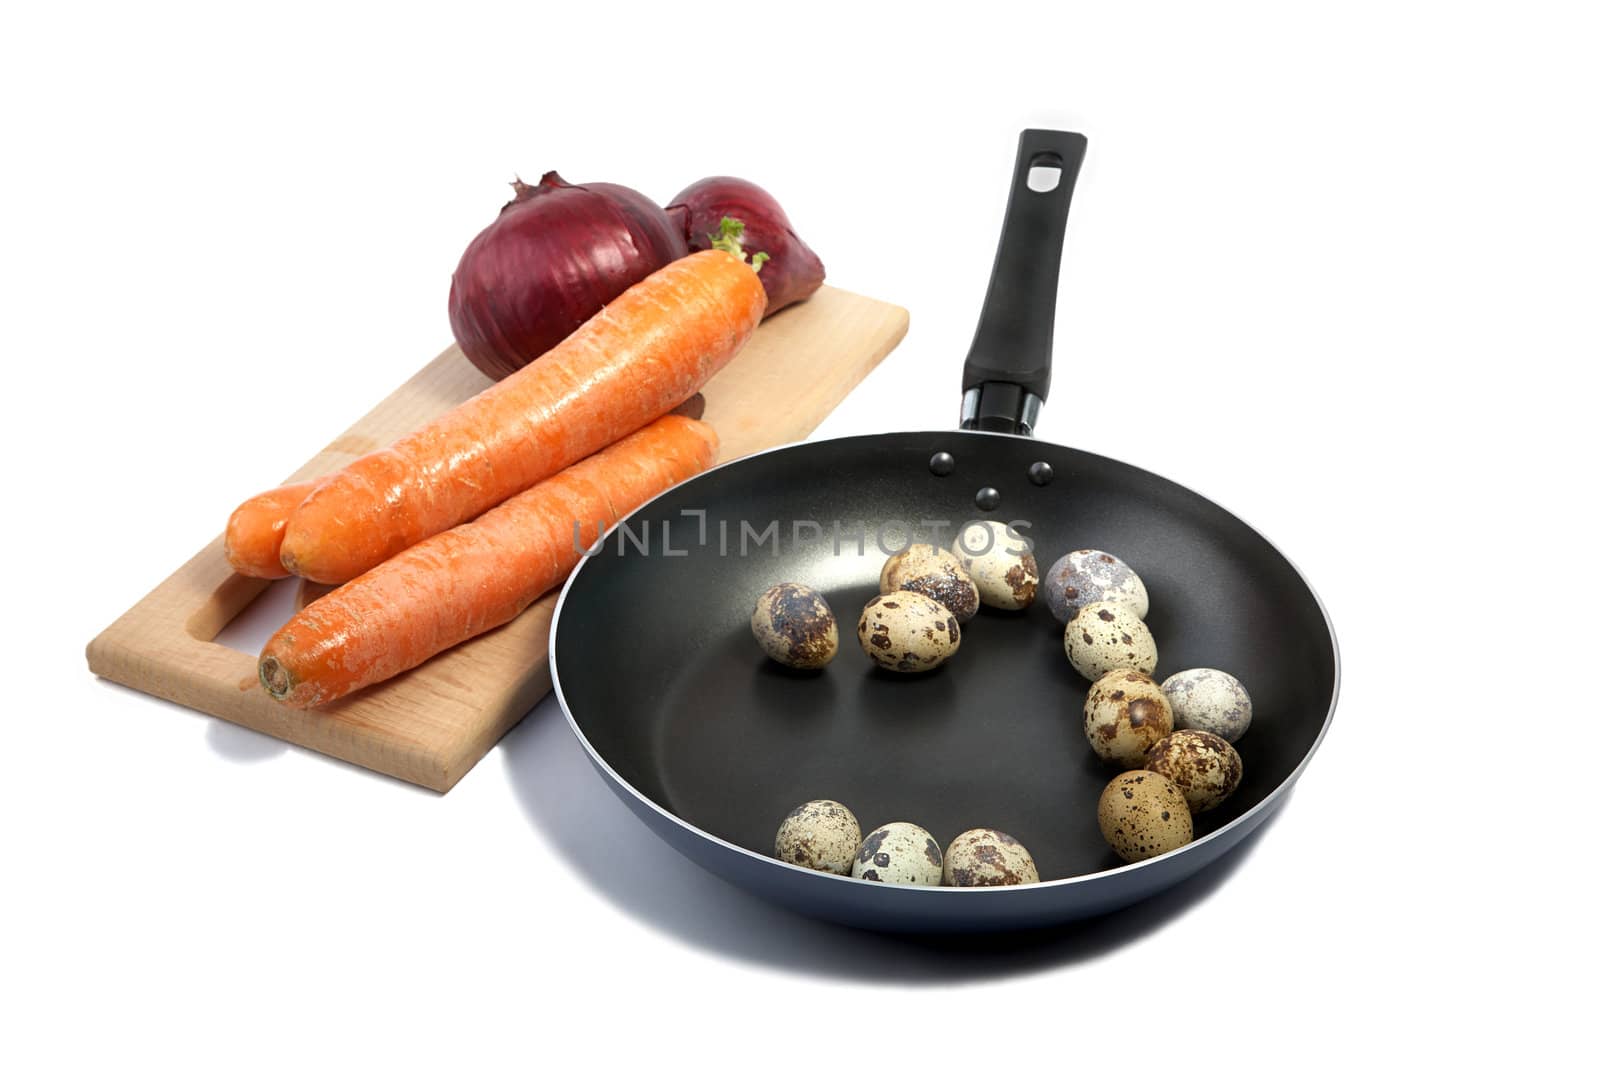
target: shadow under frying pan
<point>567,802</point>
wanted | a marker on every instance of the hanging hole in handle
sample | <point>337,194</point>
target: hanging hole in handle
<point>1044,172</point>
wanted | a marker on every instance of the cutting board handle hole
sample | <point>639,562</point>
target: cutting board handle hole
<point>223,605</point>
<point>253,621</point>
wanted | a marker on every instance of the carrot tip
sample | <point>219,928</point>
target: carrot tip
<point>274,677</point>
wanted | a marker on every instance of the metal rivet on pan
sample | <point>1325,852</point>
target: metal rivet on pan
<point>988,498</point>
<point>942,463</point>
<point>1041,473</point>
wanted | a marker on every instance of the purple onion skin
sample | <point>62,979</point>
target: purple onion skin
<point>793,273</point>
<point>554,257</point>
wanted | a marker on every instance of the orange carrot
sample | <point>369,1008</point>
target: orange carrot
<point>637,359</point>
<point>472,578</point>
<point>254,536</point>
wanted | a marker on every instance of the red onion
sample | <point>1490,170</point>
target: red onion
<point>792,271</point>
<point>557,254</point>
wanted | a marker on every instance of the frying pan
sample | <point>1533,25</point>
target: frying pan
<point>712,744</point>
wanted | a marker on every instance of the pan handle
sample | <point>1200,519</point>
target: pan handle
<point>1007,374</point>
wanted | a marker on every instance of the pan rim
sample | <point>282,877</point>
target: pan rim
<point>1263,805</point>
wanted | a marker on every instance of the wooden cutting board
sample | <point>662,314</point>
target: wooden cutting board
<point>430,725</point>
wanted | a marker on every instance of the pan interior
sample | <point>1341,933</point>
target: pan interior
<point>662,676</point>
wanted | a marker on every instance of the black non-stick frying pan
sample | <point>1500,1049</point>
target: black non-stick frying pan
<point>712,744</point>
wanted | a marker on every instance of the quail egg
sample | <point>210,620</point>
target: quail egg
<point>1001,564</point>
<point>1124,717</point>
<point>901,853</point>
<point>932,572</point>
<point>795,626</point>
<point>1205,698</point>
<point>820,834</point>
<point>1143,814</point>
<point>988,857</point>
<point>1204,766</point>
<point>906,631</point>
<point>1106,635</point>
<point>1087,575</point>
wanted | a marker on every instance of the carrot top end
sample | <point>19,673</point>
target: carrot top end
<point>730,239</point>
<point>275,677</point>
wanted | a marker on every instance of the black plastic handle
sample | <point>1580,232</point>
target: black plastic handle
<point>1007,375</point>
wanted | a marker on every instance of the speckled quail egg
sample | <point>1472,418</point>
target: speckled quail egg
<point>795,626</point>
<point>1204,766</point>
<point>906,631</point>
<point>1087,575</point>
<point>1106,635</point>
<point>1205,698</point>
<point>935,573</point>
<point>988,857</point>
<point>1143,814</point>
<point>900,853</point>
<point>1001,564</point>
<point>820,834</point>
<point>1124,717</point>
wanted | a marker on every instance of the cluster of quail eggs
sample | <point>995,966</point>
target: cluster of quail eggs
<point>925,595</point>
<point>825,836</point>
<point>1102,603</point>
<point>1173,739</point>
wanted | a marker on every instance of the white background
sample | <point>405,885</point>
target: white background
<point>1334,265</point>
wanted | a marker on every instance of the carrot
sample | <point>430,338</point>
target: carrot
<point>641,356</point>
<point>254,536</point>
<point>460,583</point>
